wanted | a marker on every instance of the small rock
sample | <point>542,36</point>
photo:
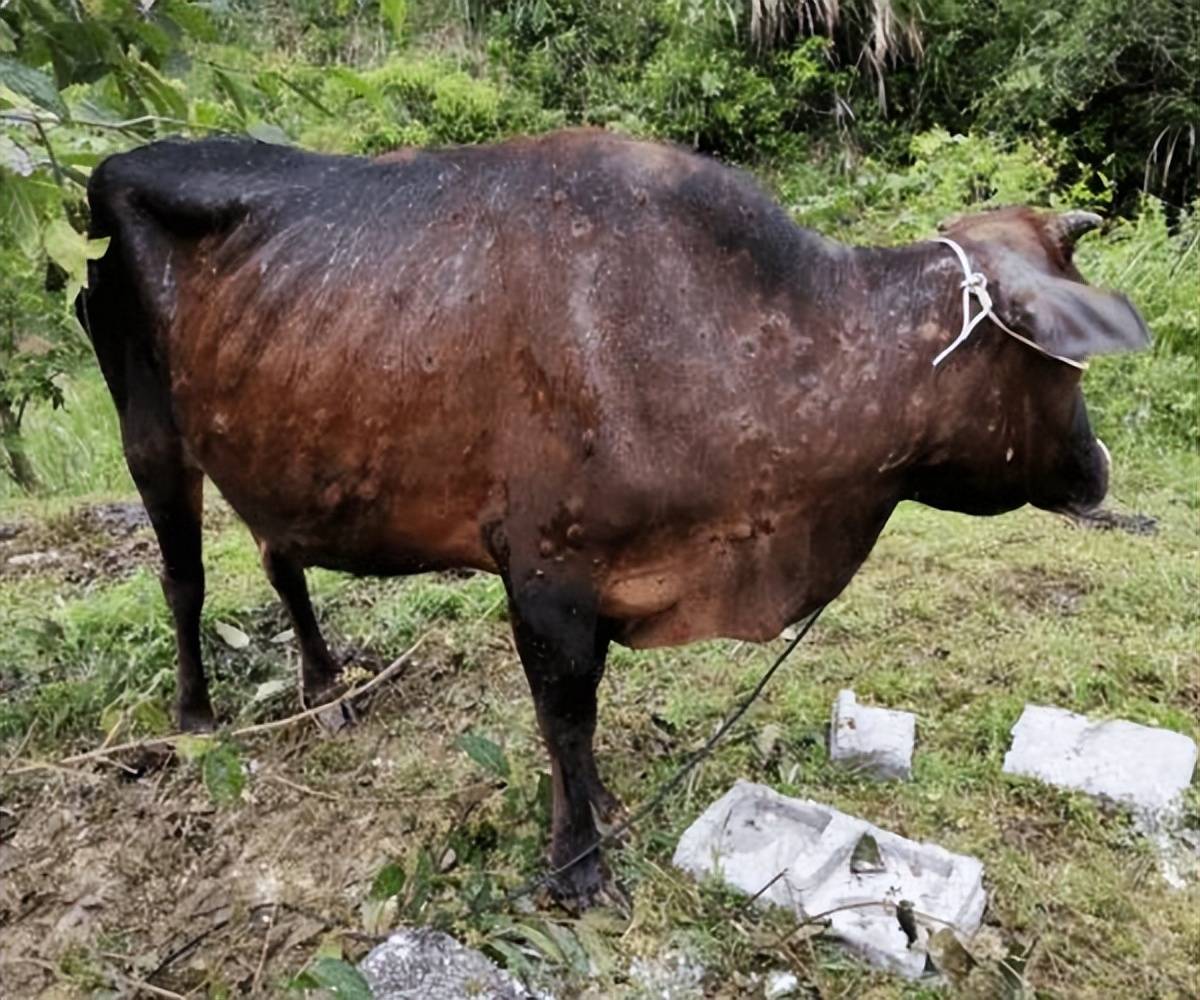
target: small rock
<point>801,852</point>
<point>1139,766</point>
<point>122,518</point>
<point>424,964</point>
<point>877,741</point>
<point>780,983</point>
<point>48,558</point>
<point>672,975</point>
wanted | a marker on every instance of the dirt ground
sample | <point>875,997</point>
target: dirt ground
<point>126,872</point>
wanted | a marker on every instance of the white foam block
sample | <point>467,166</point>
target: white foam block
<point>878,741</point>
<point>1140,766</point>
<point>752,835</point>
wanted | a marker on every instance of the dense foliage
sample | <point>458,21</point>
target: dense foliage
<point>871,120</point>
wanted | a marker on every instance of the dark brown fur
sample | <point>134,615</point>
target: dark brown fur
<point>613,372</point>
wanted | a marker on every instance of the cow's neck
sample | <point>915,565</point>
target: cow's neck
<point>959,430</point>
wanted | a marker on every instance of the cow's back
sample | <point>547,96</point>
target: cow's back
<point>578,337</point>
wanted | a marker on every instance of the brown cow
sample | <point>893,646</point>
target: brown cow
<point>613,372</point>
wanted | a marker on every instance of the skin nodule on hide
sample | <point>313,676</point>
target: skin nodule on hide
<point>613,372</point>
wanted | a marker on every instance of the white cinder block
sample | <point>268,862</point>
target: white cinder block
<point>752,835</point>
<point>1139,766</point>
<point>875,740</point>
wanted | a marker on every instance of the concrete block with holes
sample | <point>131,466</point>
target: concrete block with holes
<point>877,741</point>
<point>1139,766</point>
<point>814,860</point>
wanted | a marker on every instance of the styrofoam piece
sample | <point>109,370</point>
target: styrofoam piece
<point>878,741</point>
<point>753,835</point>
<point>1140,766</point>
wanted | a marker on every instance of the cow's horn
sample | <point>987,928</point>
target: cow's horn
<point>1069,226</point>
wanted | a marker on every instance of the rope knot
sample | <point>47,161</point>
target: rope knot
<point>976,282</point>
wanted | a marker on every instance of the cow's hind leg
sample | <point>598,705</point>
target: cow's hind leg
<point>318,672</point>
<point>606,806</point>
<point>172,490</point>
<point>560,640</point>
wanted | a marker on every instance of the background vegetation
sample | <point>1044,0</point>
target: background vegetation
<point>871,120</point>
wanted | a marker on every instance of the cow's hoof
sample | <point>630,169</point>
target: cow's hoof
<point>335,718</point>
<point>196,718</point>
<point>584,886</point>
<point>332,718</point>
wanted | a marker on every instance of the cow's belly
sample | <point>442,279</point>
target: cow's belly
<point>716,583</point>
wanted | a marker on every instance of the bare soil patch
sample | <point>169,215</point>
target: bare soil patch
<point>107,880</point>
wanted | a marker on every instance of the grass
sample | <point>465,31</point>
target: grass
<point>961,620</point>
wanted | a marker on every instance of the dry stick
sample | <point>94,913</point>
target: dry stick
<point>399,800</point>
<point>886,904</point>
<point>262,958</point>
<point>138,984</point>
<point>186,948</point>
<point>262,727</point>
<point>17,755</point>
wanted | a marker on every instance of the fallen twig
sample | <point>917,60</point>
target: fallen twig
<point>8,766</point>
<point>262,957</point>
<point>186,948</point>
<point>885,904</point>
<point>262,727</point>
<point>139,984</point>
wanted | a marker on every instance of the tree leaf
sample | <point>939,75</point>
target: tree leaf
<point>224,777</point>
<point>389,881</point>
<point>340,978</point>
<point>269,689</point>
<point>266,132</point>
<point>232,636</point>
<point>33,85</point>
<point>394,12</point>
<point>191,747</point>
<point>486,753</point>
<point>15,157</point>
<point>71,250</point>
<point>540,940</point>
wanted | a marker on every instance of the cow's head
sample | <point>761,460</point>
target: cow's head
<point>1025,427</point>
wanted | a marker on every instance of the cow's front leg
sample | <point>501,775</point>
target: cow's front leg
<point>318,672</point>
<point>562,644</point>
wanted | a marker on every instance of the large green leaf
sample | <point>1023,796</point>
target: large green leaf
<point>24,202</point>
<point>71,250</point>
<point>33,85</point>
<point>486,753</point>
<point>340,978</point>
<point>15,157</point>
<point>83,51</point>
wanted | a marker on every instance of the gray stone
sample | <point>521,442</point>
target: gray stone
<point>797,854</point>
<point>877,741</point>
<point>424,964</point>
<point>50,557</point>
<point>670,975</point>
<point>1139,766</point>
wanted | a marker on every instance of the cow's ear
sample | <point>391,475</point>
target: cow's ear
<point>1067,317</point>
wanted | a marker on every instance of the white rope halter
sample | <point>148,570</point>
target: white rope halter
<point>975,283</point>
